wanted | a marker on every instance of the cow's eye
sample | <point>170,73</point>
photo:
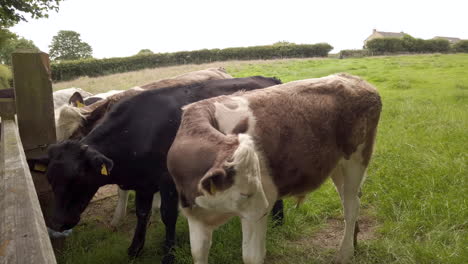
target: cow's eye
<point>246,195</point>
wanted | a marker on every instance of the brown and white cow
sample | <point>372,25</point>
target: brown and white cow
<point>236,155</point>
<point>76,122</point>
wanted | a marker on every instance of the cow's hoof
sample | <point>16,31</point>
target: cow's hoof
<point>168,259</point>
<point>134,250</point>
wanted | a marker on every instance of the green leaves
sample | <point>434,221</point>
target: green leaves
<point>11,11</point>
<point>10,42</point>
<point>94,67</point>
<point>407,44</point>
<point>67,45</point>
<point>461,46</point>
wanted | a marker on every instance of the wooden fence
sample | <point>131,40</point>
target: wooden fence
<point>27,128</point>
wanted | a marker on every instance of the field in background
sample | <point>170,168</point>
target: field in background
<point>121,81</point>
<point>414,203</point>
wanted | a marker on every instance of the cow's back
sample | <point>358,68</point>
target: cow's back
<point>145,125</point>
<point>305,127</point>
<point>189,78</point>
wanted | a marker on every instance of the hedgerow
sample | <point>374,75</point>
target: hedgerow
<point>67,70</point>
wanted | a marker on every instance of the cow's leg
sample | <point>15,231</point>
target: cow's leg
<point>156,202</point>
<point>143,201</point>
<point>348,185</point>
<point>200,240</point>
<point>278,213</point>
<point>338,179</point>
<point>169,212</point>
<point>121,208</point>
<point>253,240</point>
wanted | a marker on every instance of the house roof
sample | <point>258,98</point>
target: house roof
<point>391,34</point>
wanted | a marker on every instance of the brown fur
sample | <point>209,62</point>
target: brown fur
<point>303,129</point>
<point>206,154</point>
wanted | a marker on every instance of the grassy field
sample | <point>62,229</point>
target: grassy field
<point>414,204</point>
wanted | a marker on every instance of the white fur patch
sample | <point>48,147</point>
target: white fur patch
<point>229,114</point>
<point>137,88</point>
<point>67,120</point>
<point>107,94</point>
<point>61,97</point>
<point>246,196</point>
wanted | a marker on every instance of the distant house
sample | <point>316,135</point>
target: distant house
<point>451,40</point>
<point>380,34</point>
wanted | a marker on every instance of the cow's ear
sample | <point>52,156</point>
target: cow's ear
<point>38,164</point>
<point>76,100</point>
<point>100,163</point>
<point>216,180</point>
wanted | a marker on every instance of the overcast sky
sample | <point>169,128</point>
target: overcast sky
<point>118,28</point>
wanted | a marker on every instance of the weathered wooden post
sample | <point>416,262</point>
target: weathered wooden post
<point>35,114</point>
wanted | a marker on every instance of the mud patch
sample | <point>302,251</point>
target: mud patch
<point>105,192</point>
<point>330,235</point>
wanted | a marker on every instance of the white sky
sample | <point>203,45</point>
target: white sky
<point>119,28</point>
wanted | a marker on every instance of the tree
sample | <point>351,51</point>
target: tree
<point>12,43</point>
<point>11,11</point>
<point>67,45</point>
<point>283,43</point>
<point>145,52</point>
<point>5,35</point>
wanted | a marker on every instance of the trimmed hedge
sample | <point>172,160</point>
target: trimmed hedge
<point>461,46</point>
<point>5,77</point>
<point>356,53</point>
<point>67,70</point>
<point>407,44</point>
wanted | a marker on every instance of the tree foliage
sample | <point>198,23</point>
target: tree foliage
<point>5,77</point>
<point>93,67</point>
<point>5,35</point>
<point>12,11</point>
<point>145,52</point>
<point>10,43</point>
<point>407,44</point>
<point>461,46</point>
<point>67,45</point>
<point>283,43</point>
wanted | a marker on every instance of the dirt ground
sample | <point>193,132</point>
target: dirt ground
<point>105,192</point>
<point>328,237</point>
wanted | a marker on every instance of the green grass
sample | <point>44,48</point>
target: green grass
<point>416,191</point>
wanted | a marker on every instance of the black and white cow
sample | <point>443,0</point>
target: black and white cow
<point>129,148</point>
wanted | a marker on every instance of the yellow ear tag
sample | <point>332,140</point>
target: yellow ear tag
<point>79,104</point>
<point>104,170</point>
<point>40,167</point>
<point>212,188</point>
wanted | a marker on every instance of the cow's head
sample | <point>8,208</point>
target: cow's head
<point>232,181</point>
<point>75,172</point>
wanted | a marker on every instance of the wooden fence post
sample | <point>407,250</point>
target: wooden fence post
<point>35,114</point>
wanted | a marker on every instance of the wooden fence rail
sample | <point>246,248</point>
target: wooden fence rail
<point>23,233</point>
<point>24,197</point>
